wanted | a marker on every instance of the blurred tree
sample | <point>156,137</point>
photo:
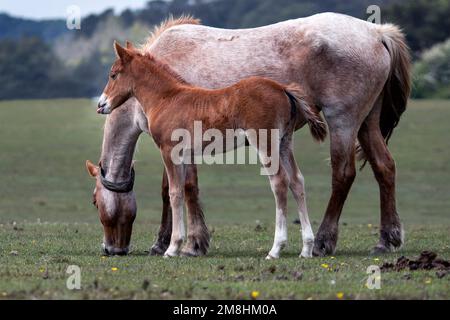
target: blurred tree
<point>432,72</point>
<point>425,22</point>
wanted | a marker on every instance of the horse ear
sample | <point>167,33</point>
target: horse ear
<point>123,54</point>
<point>130,46</point>
<point>91,169</point>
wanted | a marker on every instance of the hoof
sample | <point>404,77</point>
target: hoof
<point>379,250</point>
<point>325,244</point>
<point>306,254</point>
<point>189,253</point>
<point>270,257</point>
<point>156,250</point>
<point>391,239</point>
<point>169,255</point>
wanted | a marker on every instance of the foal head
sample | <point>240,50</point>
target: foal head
<point>130,67</point>
<point>116,208</point>
<point>120,84</point>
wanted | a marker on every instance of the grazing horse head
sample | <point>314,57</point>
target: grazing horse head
<point>116,206</point>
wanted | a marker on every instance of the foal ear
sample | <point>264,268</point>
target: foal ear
<point>123,54</point>
<point>130,46</point>
<point>91,168</point>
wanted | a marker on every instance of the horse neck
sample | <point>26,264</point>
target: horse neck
<point>120,136</point>
<point>155,81</point>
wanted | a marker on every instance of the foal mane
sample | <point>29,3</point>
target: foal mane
<point>164,67</point>
<point>166,24</point>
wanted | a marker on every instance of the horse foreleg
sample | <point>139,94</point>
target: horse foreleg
<point>198,235</point>
<point>165,229</point>
<point>176,174</point>
<point>343,166</point>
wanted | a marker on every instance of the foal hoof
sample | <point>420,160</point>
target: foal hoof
<point>189,253</point>
<point>169,255</point>
<point>269,257</point>
<point>306,254</point>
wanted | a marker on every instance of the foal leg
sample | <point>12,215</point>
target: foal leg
<point>198,234</point>
<point>165,229</point>
<point>297,187</point>
<point>383,166</point>
<point>176,175</point>
<point>342,148</point>
<point>279,183</point>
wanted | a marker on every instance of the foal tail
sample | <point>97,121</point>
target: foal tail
<point>311,114</point>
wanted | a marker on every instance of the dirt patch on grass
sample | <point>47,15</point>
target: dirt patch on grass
<point>427,260</point>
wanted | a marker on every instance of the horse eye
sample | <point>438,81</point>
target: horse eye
<point>113,76</point>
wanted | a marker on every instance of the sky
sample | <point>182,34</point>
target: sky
<point>48,9</point>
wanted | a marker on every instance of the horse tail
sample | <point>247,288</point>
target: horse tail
<point>397,88</point>
<point>310,113</point>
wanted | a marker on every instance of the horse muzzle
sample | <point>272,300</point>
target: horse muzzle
<point>114,251</point>
<point>103,106</point>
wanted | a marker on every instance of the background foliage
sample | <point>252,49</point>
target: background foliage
<point>43,59</point>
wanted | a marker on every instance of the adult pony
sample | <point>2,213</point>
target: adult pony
<point>358,73</point>
<point>252,106</point>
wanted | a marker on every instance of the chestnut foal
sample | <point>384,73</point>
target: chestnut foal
<point>251,104</point>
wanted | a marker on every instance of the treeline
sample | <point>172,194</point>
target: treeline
<point>45,60</point>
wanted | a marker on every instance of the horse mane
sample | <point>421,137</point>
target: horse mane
<point>166,24</point>
<point>163,66</point>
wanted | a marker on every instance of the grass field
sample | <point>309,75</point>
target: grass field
<point>47,221</point>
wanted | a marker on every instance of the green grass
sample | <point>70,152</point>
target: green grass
<point>45,189</point>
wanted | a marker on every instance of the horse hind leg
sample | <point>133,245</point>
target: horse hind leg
<point>279,183</point>
<point>165,229</point>
<point>297,187</point>
<point>383,166</point>
<point>342,147</point>
<point>198,235</point>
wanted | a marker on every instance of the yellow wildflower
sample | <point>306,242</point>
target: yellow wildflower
<point>324,265</point>
<point>114,269</point>
<point>340,295</point>
<point>255,294</point>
